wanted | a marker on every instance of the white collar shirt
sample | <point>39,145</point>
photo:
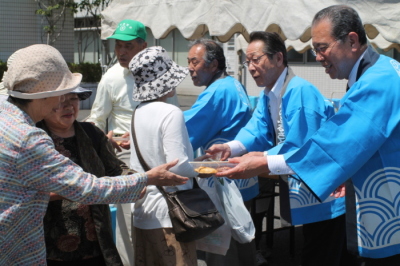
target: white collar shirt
<point>275,99</point>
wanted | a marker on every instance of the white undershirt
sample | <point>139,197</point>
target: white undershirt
<point>237,148</point>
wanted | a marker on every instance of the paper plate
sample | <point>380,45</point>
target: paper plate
<point>211,167</point>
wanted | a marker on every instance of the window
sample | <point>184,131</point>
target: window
<point>294,56</point>
<point>393,53</point>
<point>181,48</point>
<point>387,53</point>
<point>396,54</point>
<point>168,44</point>
<point>150,38</point>
<point>87,22</point>
<point>310,57</point>
<point>300,58</point>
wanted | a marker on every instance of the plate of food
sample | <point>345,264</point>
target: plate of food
<point>211,167</point>
<point>119,140</point>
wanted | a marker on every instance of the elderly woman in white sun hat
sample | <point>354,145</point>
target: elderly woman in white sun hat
<point>30,167</point>
<point>161,135</point>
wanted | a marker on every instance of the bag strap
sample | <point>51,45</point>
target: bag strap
<point>143,162</point>
<point>139,154</point>
<point>145,166</point>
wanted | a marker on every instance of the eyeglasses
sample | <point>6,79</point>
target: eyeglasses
<point>62,98</point>
<point>71,99</point>
<point>322,49</point>
<point>254,61</point>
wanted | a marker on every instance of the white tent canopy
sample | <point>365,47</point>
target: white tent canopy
<point>222,18</point>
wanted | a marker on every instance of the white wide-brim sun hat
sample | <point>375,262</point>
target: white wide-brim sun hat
<point>39,71</point>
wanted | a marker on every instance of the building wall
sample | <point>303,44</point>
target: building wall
<point>65,43</point>
<point>21,27</point>
<point>91,45</point>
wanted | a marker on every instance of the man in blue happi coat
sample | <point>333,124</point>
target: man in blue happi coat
<point>359,146</point>
<point>223,108</point>
<point>289,111</point>
<point>220,111</point>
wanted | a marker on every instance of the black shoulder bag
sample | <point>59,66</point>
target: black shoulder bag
<point>193,215</point>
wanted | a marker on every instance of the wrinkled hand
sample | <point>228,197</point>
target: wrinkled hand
<point>110,135</point>
<point>248,166</point>
<point>224,149</point>
<point>125,144</point>
<point>160,176</point>
<point>339,192</point>
<point>254,153</point>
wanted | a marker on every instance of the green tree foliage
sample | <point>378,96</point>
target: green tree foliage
<point>54,14</point>
<point>91,22</point>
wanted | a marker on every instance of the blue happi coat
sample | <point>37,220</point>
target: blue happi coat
<point>220,111</point>
<point>303,110</point>
<point>362,142</point>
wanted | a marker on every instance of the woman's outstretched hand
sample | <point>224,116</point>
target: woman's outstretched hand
<point>160,176</point>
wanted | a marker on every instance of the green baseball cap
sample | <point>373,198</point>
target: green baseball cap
<point>129,30</point>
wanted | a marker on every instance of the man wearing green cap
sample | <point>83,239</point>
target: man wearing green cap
<point>114,93</point>
<point>114,104</point>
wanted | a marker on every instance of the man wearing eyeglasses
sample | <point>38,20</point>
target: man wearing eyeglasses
<point>289,111</point>
<point>359,146</point>
<point>220,111</point>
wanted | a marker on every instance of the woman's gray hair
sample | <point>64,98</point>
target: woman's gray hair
<point>213,52</point>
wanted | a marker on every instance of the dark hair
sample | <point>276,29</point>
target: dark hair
<point>213,51</point>
<point>273,43</point>
<point>344,20</point>
<point>22,102</point>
